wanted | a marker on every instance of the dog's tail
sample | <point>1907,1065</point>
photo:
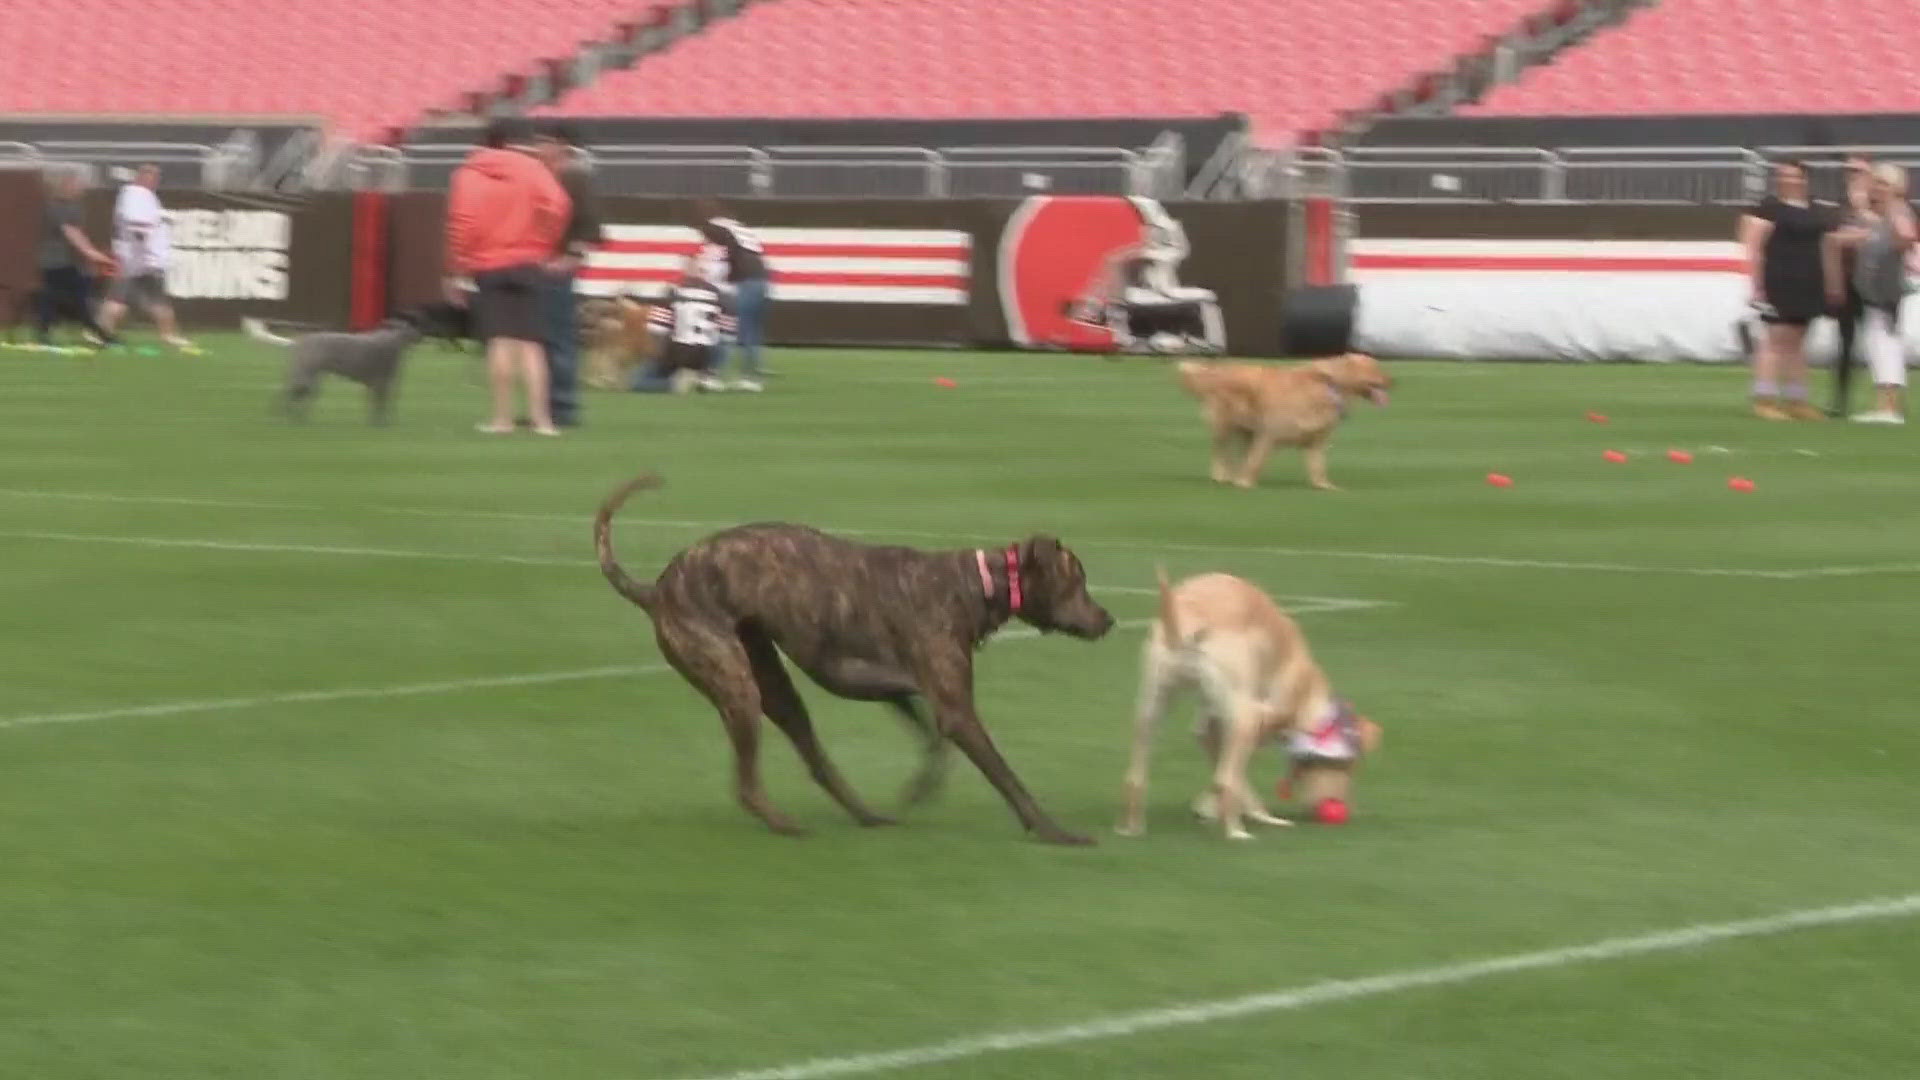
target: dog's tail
<point>257,330</point>
<point>622,583</point>
<point>1169,614</point>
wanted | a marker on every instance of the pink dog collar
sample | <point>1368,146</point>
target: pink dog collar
<point>1014,598</point>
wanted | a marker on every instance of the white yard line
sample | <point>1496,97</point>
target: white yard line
<point>289,549</point>
<point>306,697</point>
<point>1858,571</point>
<point>1333,991</point>
<point>1303,606</point>
<point>1091,542</point>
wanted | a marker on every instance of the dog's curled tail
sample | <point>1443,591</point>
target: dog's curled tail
<point>622,583</point>
<point>257,330</point>
<point>1169,615</point>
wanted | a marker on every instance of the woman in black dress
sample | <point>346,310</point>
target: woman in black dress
<point>1782,234</point>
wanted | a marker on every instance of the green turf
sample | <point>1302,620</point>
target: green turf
<point>550,881</point>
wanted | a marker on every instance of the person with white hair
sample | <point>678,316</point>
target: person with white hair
<point>1880,243</point>
<point>65,255</point>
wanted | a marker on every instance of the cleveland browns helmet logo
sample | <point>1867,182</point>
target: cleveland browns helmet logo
<point>1055,257</point>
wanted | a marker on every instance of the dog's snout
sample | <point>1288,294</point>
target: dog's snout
<point>1103,623</point>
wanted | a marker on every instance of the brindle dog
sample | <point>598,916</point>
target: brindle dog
<point>865,622</point>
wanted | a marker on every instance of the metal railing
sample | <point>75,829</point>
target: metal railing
<point>730,171</point>
<point>1642,175</point>
<point>857,172</point>
<point>1629,175</point>
<point>180,164</point>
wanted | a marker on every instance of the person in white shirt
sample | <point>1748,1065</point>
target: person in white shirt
<point>140,244</point>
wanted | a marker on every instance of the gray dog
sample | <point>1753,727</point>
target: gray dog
<point>866,622</point>
<point>371,358</point>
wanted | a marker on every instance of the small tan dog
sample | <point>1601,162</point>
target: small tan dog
<point>1252,408</point>
<point>1259,681</point>
<point>616,338</point>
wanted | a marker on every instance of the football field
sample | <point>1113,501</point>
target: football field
<point>326,753</point>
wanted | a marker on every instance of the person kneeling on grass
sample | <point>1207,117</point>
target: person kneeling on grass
<point>687,326</point>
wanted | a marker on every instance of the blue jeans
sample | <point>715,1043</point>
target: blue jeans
<point>750,319</point>
<point>563,350</point>
<point>655,378</point>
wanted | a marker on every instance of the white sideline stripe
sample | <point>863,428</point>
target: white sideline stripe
<point>1324,603</point>
<point>1584,248</point>
<point>1123,543</point>
<point>1334,991</point>
<point>291,549</point>
<point>304,697</point>
<point>1858,571</point>
<point>454,686</point>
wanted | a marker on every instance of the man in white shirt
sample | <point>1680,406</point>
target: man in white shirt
<point>140,243</point>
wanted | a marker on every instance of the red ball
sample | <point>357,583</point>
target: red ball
<point>1331,812</point>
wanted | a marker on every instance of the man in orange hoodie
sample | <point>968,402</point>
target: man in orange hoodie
<point>505,216</point>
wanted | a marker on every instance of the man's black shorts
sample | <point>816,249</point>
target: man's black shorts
<point>507,303</point>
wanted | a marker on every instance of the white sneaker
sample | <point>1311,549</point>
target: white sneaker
<point>751,386</point>
<point>1879,416</point>
<point>710,384</point>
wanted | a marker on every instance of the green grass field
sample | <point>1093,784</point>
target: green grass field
<point>326,754</point>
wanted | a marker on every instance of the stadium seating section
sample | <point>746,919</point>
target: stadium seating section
<point>361,66</point>
<point>1730,56</point>
<point>1290,64</point>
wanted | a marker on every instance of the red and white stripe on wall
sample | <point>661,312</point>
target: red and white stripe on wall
<point>828,266</point>
<point>1377,258</point>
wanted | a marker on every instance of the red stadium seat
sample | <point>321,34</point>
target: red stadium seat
<point>1729,56</point>
<point>1287,68</point>
<point>365,67</point>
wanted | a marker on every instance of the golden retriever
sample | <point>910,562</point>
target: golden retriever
<point>1251,408</point>
<point>616,339</point>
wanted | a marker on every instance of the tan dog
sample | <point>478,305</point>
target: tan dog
<point>615,333</point>
<point>1252,408</point>
<point>1259,681</point>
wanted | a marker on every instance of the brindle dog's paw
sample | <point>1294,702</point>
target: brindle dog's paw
<point>877,821</point>
<point>1063,838</point>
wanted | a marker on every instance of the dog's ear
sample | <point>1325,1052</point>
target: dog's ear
<point>1046,557</point>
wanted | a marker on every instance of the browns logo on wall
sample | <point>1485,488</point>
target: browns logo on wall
<point>1054,252</point>
<point>235,255</point>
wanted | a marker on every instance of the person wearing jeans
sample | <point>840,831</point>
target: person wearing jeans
<point>748,282</point>
<point>559,147</point>
<point>750,307</point>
